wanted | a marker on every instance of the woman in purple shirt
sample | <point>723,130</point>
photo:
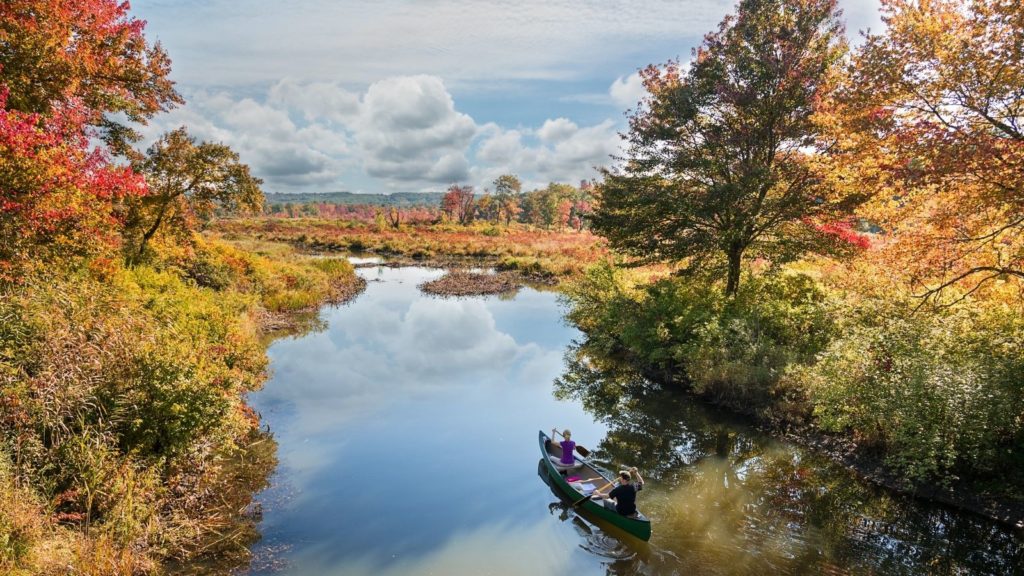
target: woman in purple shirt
<point>568,447</point>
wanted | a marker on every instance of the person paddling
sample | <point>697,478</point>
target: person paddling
<point>622,498</point>
<point>567,459</point>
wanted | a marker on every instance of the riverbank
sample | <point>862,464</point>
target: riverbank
<point>869,465</point>
<point>922,405</point>
<point>122,399</point>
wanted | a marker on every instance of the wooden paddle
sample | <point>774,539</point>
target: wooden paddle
<point>583,451</point>
<point>591,495</point>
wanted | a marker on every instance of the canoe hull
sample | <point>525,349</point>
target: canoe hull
<point>640,526</point>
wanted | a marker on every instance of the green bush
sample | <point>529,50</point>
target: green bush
<point>735,351</point>
<point>335,267</point>
<point>600,303</point>
<point>939,392</point>
<point>741,356</point>
<point>208,269</point>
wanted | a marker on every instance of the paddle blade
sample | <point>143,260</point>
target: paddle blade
<point>581,500</point>
<point>583,451</point>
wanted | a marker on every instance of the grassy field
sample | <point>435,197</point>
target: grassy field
<point>536,253</point>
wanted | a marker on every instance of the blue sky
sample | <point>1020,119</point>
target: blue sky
<point>320,95</point>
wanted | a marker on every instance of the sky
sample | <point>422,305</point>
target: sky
<point>409,96</point>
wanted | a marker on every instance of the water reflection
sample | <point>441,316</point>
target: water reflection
<point>491,549</point>
<point>406,433</point>
<point>726,499</point>
<point>247,472</point>
<point>407,440</point>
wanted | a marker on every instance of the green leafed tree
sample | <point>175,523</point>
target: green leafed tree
<point>188,184</point>
<point>507,189</point>
<point>720,162</point>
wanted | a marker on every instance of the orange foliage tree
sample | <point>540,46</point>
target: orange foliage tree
<point>933,117</point>
<point>458,203</point>
<point>89,51</point>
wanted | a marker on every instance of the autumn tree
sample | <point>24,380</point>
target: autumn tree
<point>564,212</point>
<point>507,189</point>
<point>718,167</point>
<point>457,203</point>
<point>556,204</point>
<point>487,207</point>
<point>933,113</point>
<point>58,197</point>
<point>188,183</point>
<point>529,207</point>
<point>91,52</point>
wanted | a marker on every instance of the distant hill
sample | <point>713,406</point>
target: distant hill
<point>350,198</point>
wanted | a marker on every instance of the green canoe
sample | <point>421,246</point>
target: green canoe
<point>637,525</point>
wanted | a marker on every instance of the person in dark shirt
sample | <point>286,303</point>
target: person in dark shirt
<point>622,498</point>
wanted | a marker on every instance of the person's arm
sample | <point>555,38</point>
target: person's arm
<point>639,478</point>
<point>599,494</point>
<point>554,442</point>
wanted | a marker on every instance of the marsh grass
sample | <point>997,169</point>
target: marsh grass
<point>126,440</point>
<point>541,254</point>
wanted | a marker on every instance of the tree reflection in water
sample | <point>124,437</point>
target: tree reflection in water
<point>727,499</point>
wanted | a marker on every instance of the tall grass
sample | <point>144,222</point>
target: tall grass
<point>121,399</point>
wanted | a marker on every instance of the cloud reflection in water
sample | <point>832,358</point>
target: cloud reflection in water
<point>407,433</point>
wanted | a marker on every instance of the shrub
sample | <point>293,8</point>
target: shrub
<point>735,351</point>
<point>940,392</point>
<point>741,356</point>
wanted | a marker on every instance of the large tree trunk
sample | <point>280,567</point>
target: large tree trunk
<point>732,283</point>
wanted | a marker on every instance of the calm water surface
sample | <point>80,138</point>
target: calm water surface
<point>406,434</point>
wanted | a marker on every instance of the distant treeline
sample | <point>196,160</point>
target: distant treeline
<point>402,199</point>
<point>554,206</point>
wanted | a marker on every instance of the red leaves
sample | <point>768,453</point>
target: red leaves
<point>57,197</point>
<point>843,233</point>
<point>90,50</point>
<point>458,203</point>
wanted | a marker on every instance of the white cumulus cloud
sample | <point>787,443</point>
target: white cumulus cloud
<point>408,129</point>
<point>557,130</point>
<point>560,152</point>
<point>626,91</point>
<point>406,132</point>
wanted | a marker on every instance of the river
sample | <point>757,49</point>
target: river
<point>407,445</point>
